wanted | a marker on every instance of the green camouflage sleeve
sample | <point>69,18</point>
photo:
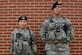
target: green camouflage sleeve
<point>34,46</point>
<point>70,31</point>
<point>43,31</point>
<point>12,43</point>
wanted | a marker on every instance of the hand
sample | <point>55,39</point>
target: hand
<point>13,53</point>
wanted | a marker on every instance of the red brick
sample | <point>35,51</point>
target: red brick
<point>8,9</point>
<point>3,6</point>
<point>33,20</point>
<point>38,0</point>
<point>21,0</point>
<point>42,14</point>
<point>4,1</point>
<point>16,4</point>
<point>29,0</point>
<point>65,0</point>
<point>43,9</point>
<point>55,0</point>
<point>74,1</point>
<point>43,3</point>
<point>16,9</point>
<point>33,26</point>
<point>34,14</point>
<point>71,6</point>
<point>12,1</point>
<point>47,0</point>
<point>12,6</point>
<point>34,3</point>
<point>21,6</point>
<point>1,3</point>
<point>80,0</point>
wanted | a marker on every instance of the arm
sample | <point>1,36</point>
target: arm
<point>12,43</point>
<point>43,31</point>
<point>70,31</point>
<point>33,42</point>
<point>13,38</point>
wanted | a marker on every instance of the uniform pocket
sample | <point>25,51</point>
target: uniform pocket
<point>27,47</point>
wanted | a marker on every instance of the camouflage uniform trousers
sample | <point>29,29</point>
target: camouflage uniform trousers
<point>58,50</point>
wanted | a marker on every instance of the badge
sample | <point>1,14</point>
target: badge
<point>23,18</point>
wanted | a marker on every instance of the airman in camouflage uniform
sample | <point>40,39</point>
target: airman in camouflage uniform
<point>23,40</point>
<point>57,32</point>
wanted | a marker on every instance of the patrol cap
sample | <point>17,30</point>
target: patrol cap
<point>22,18</point>
<point>55,4</point>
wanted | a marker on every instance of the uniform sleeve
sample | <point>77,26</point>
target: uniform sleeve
<point>34,46</point>
<point>43,31</point>
<point>70,31</point>
<point>12,42</point>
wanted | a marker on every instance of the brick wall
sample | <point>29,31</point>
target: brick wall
<point>37,11</point>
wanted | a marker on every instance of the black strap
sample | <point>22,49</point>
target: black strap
<point>65,26</point>
<point>51,19</point>
<point>30,42</point>
<point>29,33</point>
